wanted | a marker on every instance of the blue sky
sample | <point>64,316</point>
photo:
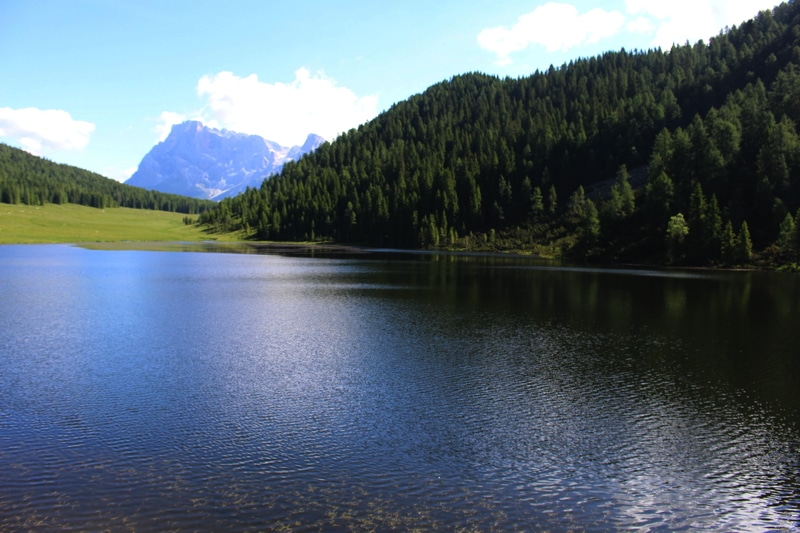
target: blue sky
<point>96,83</point>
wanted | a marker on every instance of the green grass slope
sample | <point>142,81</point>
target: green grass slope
<point>53,223</point>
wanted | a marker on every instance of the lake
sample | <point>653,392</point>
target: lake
<point>183,390</point>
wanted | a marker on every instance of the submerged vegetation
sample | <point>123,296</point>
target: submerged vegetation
<point>687,156</point>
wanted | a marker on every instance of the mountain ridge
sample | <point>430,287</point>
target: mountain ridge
<point>198,161</point>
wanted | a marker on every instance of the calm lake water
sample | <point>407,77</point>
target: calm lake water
<point>144,390</point>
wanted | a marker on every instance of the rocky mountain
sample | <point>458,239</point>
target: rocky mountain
<point>202,162</point>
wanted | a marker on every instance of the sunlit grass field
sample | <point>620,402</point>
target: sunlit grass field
<point>75,223</point>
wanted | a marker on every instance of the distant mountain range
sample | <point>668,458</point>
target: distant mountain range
<point>202,162</point>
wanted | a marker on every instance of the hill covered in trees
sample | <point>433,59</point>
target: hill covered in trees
<point>27,179</point>
<point>541,163</point>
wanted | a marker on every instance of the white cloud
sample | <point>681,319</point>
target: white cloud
<point>116,173</point>
<point>560,27</point>
<point>283,112</point>
<point>40,130</point>
<point>555,26</point>
<point>166,120</point>
<point>679,21</point>
<point>125,173</point>
<point>641,25</point>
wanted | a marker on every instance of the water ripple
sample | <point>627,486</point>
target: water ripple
<point>213,392</point>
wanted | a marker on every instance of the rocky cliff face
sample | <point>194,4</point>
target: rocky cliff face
<point>202,162</point>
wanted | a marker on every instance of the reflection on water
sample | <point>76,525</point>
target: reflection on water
<point>144,390</point>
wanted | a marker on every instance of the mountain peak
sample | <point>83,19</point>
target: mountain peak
<point>190,126</point>
<point>313,141</point>
<point>203,162</point>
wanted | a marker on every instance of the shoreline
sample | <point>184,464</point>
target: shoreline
<point>341,250</point>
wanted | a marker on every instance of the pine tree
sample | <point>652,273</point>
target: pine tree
<point>659,199</point>
<point>744,246</point>
<point>552,201</point>
<point>698,232</point>
<point>537,203</point>
<point>627,199</point>
<point>591,222</point>
<point>786,236</point>
<point>621,203</point>
<point>576,208</point>
<point>713,231</point>
<point>728,244</point>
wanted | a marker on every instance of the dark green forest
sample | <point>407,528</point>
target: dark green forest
<point>690,155</point>
<point>27,179</point>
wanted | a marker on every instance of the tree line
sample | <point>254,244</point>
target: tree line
<point>31,180</point>
<point>526,163</point>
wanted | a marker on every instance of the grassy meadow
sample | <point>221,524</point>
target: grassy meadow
<point>70,223</point>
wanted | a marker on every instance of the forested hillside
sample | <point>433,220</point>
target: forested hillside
<point>27,179</point>
<point>478,161</point>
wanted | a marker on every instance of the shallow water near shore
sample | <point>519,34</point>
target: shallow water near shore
<point>144,389</point>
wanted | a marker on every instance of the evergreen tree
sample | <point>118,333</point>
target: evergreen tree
<point>552,201</point>
<point>698,232</point>
<point>576,208</point>
<point>728,244</point>
<point>590,223</point>
<point>537,203</point>
<point>744,246</point>
<point>713,231</point>
<point>658,199</point>
<point>625,191</point>
<point>786,237</point>
<point>621,203</point>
